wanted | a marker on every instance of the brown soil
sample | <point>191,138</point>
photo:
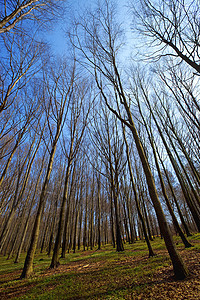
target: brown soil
<point>163,285</point>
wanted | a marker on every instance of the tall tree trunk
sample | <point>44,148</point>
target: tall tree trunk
<point>28,265</point>
<point>114,183</point>
<point>20,224</point>
<point>151,253</point>
<point>77,212</point>
<point>146,218</point>
<point>29,213</point>
<point>55,259</point>
<point>66,225</point>
<point>126,225</point>
<point>176,224</point>
<point>179,267</point>
<point>132,234</point>
<point>92,214</point>
<point>80,225</point>
<point>178,173</point>
<point>111,217</point>
<point>196,196</point>
<point>86,217</point>
<point>99,211</point>
<point>175,200</point>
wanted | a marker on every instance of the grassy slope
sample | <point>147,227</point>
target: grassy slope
<point>105,274</point>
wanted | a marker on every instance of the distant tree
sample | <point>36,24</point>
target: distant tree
<point>141,217</point>
<point>109,145</point>
<point>78,113</point>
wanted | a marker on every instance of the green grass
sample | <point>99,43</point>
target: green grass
<point>103,274</point>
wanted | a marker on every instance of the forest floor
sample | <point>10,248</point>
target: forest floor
<point>106,274</point>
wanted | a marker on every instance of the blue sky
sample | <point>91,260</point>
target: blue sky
<point>57,36</point>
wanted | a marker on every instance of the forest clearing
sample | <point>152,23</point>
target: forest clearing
<point>106,274</point>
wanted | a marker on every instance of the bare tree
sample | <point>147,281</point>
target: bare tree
<point>172,26</point>
<point>100,48</point>
<point>151,253</point>
<point>184,186</point>
<point>21,60</point>
<point>12,13</point>
<point>155,151</point>
<point>59,99</point>
<point>77,125</point>
<point>28,114</point>
<point>109,145</point>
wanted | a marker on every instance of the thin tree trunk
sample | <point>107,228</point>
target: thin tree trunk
<point>28,265</point>
<point>99,212</point>
<point>179,267</point>
<point>151,253</point>
<point>176,224</point>
<point>179,175</point>
<point>55,259</point>
<point>66,225</point>
<point>86,217</point>
<point>175,200</point>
